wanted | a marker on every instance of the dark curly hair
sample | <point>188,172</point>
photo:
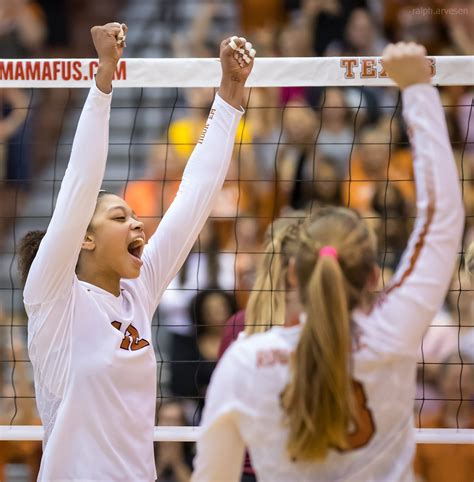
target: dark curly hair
<point>27,250</point>
<point>29,246</point>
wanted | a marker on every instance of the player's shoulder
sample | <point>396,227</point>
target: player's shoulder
<point>247,348</point>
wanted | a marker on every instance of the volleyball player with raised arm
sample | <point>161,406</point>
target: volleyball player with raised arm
<point>331,398</point>
<point>93,285</point>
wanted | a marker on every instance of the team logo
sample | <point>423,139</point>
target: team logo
<point>370,68</point>
<point>131,340</point>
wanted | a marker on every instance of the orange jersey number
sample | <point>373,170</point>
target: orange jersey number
<point>364,425</point>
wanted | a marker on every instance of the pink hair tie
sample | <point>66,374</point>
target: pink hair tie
<point>328,251</point>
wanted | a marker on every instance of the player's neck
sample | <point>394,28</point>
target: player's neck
<point>293,308</point>
<point>105,281</point>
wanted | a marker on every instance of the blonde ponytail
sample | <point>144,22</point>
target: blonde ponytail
<point>266,306</point>
<point>318,401</point>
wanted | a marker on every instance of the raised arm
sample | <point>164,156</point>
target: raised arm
<point>419,286</point>
<point>202,178</point>
<point>53,269</point>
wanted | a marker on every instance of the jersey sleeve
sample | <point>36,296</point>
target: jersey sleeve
<point>420,284</point>
<point>220,447</point>
<point>202,179</point>
<point>53,270</point>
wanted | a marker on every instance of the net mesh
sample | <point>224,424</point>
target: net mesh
<point>296,149</point>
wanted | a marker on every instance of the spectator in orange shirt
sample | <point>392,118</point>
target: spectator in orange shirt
<point>372,158</point>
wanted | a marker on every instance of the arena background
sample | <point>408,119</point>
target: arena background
<point>297,148</point>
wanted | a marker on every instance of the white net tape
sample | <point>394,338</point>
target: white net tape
<point>191,434</point>
<point>268,72</point>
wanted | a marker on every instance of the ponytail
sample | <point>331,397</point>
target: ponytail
<point>335,259</point>
<point>27,250</point>
<point>266,303</point>
<point>319,401</point>
<point>266,306</point>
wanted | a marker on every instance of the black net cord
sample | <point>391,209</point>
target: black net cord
<point>12,263</point>
<point>458,411</point>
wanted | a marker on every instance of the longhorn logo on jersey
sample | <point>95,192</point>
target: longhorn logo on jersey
<point>131,339</point>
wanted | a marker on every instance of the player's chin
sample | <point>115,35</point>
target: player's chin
<point>132,268</point>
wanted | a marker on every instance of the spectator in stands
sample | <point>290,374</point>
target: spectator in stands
<point>151,196</point>
<point>460,29</point>
<point>22,34</point>
<point>336,136</point>
<point>322,186</point>
<point>371,159</point>
<point>202,25</point>
<point>14,159</point>
<point>22,28</point>
<point>261,15</point>
<point>361,37</point>
<point>410,25</point>
<point>393,229</point>
<point>194,356</point>
<point>173,459</point>
<point>15,155</point>
<point>206,267</point>
<point>265,118</point>
<point>324,19</point>
<point>300,129</point>
<point>13,110</point>
<point>245,242</point>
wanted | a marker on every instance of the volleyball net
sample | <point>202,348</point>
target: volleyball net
<point>316,131</point>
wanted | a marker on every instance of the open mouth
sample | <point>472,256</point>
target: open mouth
<point>135,248</point>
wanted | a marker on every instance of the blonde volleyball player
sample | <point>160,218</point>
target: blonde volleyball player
<point>93,285</point>
<point>331,398</point>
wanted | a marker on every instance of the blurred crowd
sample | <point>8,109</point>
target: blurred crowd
<point>296,148</point>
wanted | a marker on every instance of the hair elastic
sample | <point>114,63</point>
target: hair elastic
<point>328,251</point>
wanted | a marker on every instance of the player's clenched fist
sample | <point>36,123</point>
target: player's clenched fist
<point>237,57</point>
<point>109,41</point>
<point>406,64</point>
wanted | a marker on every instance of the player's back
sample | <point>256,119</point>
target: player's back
<point>384,391</point>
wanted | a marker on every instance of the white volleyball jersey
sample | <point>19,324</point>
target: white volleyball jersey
<point>94,366</point>
<point>243,400</point>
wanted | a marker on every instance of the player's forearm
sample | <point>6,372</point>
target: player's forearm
<point>232,90</point>
<point>104,76</point>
